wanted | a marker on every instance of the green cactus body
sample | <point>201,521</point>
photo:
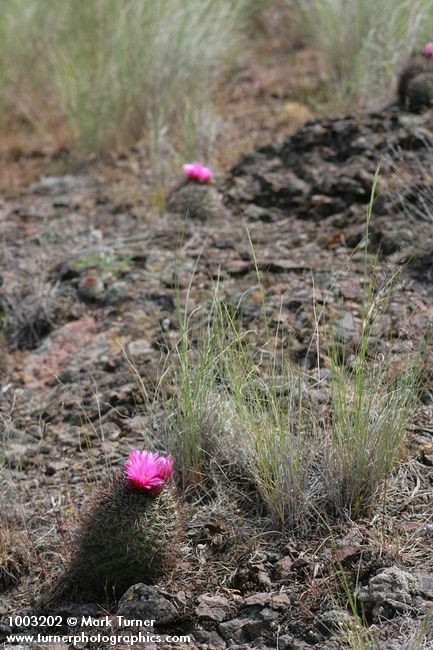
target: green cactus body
<point>127,536</point>
<point>195,201</point>
<point>419,64</point>
<point>420,92</point>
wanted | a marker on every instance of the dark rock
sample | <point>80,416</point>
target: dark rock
<point>56,184</point>
<point>345,329</point>
<point>240,630</point>
<point>332,621</point>
<point>141,349</point>
<point>420,263</point>
<point>390,591</point>
<point>327,168</point>
<point>268,614</point>
<point>209,640</point>
<point>257,213</point>
<point>283,567</point>
<point>212,608</point>
<point>62,201</point>
<point>264,579</point>
<point>142,602</point>
<point>77,610</point>
<point>276,600</point>
<point>425,581</point>
<point>5,628</point>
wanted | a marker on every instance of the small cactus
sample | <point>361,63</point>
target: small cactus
<point>418,64</point>
<point>195,201</point>
<point>420,92</point>
<point>91,288</point>
<point>195,197</point>
<point>127,535</point>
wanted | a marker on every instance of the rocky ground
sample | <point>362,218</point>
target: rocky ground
<point>88,267</point>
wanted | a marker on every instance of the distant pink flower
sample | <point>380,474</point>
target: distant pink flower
<point>428,50</point>
<point>147,470</point>
<point>197,172</point>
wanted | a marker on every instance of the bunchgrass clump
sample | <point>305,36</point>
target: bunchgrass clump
<point>116,70</point>
<point>236,398</point>
<point>371,405</point>
<point>189,393</point>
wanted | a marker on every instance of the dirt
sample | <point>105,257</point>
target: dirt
<point>88,268</point>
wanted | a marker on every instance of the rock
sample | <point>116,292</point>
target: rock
<point>283,567</point>
<point>274,600</point>
<point>209,640</point>
<point>326,170</point>
<point>143,602</point>
<point>5,628</point>
<point>260,599</point>
<point>239,267</point>
<point>344,328</point>
<point>287,642</point>
<point>62,201</point>
<point>56,184</point>
<point>268,614</point>
<point>425,581</point>
<point>390,591</point>
<point>264,579</point>
<point>141,349</point>
<point>240,630</point>
<point>212,608</point>
<point>229,629</point>
<point>115,292</point>
<point>420,262</point>
<point>55,466</point>
<point>333,621</point>
<point>77,610</point>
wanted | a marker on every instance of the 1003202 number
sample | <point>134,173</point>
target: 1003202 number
<point>35,621</point>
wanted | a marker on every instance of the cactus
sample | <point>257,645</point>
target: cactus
<point>196,201</point>
<point>196,198</point>
<point>420,92</point>
<point>419,64</point>
<point>127,534</point>
<point>91,288</point>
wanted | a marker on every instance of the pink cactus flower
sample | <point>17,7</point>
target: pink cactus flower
<point>428,50</point>
<point>197,172</point>
<point>148,471</point>
<point>166,467</point>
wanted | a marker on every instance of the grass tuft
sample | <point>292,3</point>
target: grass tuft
<point>120,69</point>
<point>235,399</point>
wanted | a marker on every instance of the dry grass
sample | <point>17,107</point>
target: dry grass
<point>237,403</point>
<point>14,554</point>
<point>15,547</point>
<point>116,70</point>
